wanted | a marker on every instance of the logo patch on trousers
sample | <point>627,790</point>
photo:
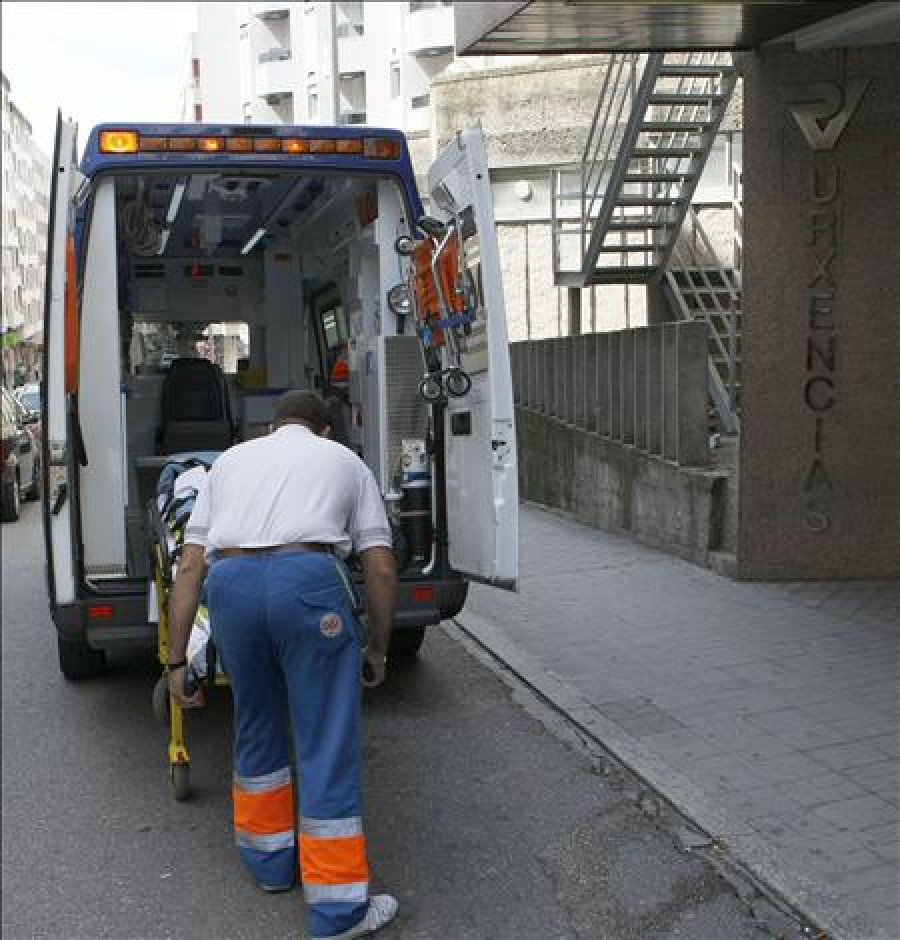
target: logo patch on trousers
<point>331,625</point>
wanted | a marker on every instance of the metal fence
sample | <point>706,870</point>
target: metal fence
<point>644,388</point>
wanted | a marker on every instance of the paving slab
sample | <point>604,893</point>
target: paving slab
<point>768,713</point>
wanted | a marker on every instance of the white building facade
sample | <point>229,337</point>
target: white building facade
<point>392,64</point>
<point>341,62</point>
<point>26,181</point>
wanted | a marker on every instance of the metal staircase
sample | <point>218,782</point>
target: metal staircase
<point>616,217</point>
<point>699,287</point>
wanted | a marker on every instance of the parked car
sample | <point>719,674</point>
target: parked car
<point>30,398</point>
<point>20,453</point>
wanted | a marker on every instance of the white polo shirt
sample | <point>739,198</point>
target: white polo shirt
<point>289,486</point>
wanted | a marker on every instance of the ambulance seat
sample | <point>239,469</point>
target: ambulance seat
<point>195,410</point>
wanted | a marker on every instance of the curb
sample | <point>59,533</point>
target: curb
<point>753,857</point>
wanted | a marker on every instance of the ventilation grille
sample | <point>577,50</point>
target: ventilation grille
<point>407,413</point>
<point>145,269</point>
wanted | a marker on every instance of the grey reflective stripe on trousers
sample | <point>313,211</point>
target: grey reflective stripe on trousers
<point>265,782</point>
<point>331,828</point>
<point>274,842</point>
<point>357,893</point>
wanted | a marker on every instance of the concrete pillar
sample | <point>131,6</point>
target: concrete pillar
<point>574,311</point>
<point>692,396</point>
<point>590,345</point>
<point>534,374</point>
<point>669,392</point>
<point>627,399</point>
<point>569,348</point>
<point>550,377</point>
<point>547,374</point>
<point>820,449</point>
<point>562,378</point>
<point>654,389</point>
<point>604,420</point>
<point>615,386</point>
<point>640,389</point>
<point>579,418</point>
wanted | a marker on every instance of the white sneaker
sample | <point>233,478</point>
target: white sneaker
<point>382,910</point>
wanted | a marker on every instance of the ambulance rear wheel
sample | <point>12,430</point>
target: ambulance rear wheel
<point>181,781</point>
<point>405,644</point>
<point>78,661</point>
<point>11,499</point>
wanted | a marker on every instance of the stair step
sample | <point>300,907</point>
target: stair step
<point>676,98</point>
<point>657,177</point>
<point>638,153</point>
<point>637,224</point>
<point>687,70</point>
<point>648,201</point>
<point>631,249</point>
<point>695,126</point>
<point>631,274</point>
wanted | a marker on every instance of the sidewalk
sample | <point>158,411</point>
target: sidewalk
<point>768,713</point>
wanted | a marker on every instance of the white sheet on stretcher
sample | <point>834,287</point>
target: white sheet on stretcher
<point>186,483</point>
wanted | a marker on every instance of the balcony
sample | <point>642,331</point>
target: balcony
<point>429,30</point>
<point>274,55</point>
<point>270,11</point>
<point>274,77</point>
<point>351,48</point>
<point>352,117</point>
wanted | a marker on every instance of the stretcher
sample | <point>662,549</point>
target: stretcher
<point>168,516</point>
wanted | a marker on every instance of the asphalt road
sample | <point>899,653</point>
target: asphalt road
<point>484,823</point>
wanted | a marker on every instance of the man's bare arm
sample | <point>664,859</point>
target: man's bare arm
<point>380,574</point>
<point>183,606</point>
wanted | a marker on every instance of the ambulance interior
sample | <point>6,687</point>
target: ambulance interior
<point>277,280</point>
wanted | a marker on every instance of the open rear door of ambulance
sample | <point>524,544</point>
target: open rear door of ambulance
<point>60,350</point>
<point>481,472</point>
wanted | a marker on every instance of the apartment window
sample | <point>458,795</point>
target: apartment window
<point>420,101</point>
<point>245,30</point>
<point>310,76</point>
<point>198,112</point>
<point>395,79</point>
<point>312,101</point>
<point>248,112</point>
<point>195,69</point>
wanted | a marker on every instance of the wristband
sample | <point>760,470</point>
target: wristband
<point>171,666</point>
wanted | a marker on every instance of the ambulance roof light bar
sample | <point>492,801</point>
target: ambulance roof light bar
<point>121,142</point>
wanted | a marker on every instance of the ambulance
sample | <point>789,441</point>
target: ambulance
<point>195,273</point>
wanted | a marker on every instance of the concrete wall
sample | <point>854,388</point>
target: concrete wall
<point>820,455</point>
<point>610,486</point>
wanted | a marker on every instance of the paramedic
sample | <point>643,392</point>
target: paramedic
<point>271,517</point>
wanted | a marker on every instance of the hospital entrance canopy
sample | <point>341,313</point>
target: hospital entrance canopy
<point>573,26</point>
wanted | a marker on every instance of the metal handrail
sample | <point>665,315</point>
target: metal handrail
<point>689,261</point>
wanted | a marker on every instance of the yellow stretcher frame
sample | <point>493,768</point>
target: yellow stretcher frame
<point>166,710</point>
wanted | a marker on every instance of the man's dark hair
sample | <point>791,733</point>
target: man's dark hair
<point>304,407</point>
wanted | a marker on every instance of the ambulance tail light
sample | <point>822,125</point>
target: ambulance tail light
<point>101,612</point>
<point>422,595</point>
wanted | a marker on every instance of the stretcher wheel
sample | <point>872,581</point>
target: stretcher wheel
<point>458,383</point>
<point>161,703</point>
<point>181,781</point>
<point>431,389</point>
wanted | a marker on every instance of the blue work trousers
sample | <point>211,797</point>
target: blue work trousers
<point>290,643</point>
